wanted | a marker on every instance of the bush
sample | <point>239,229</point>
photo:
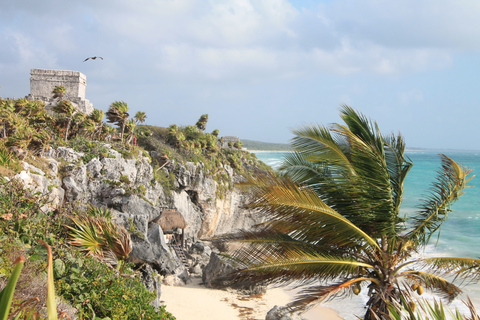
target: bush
<point>97,291</point>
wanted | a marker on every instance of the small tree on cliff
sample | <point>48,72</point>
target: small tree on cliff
<point>202,122</point>
<point>118,114</point>
<point>66,108</point>
<point>140,117</point>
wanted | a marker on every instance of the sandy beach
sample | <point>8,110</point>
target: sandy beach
<point>194,301</point>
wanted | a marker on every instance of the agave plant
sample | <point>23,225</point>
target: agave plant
<point>333,222</point>
<point>6,295</point>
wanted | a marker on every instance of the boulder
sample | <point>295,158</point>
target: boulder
<point>218,274</point>
<point>281,313</point>
<point>153,250</point>
<point>152,281</point>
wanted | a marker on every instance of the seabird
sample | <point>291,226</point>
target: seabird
<point>93,58</point>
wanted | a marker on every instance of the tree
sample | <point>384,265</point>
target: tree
<point>97,117</point>
<point>66,108</point>
<point>129,131</point>
<point>202,122</point>
<point>118,113</point>
<point>140,117</point>
<point>334,223</point>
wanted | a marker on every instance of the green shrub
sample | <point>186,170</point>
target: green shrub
<point>97,291</point>
<point>21,217</point>
<point>91,149</point>
<point>124,179</point>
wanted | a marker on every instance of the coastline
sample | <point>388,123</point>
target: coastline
<point>195,301</point>
<point>267,151</point>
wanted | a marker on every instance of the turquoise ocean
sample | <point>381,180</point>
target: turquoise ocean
<point>459,236</point>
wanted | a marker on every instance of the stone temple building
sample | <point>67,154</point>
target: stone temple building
<point>43,81</point>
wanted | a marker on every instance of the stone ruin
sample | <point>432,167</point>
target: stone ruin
<point>43,81</point>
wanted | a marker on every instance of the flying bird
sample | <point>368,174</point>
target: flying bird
<point>93,58</point>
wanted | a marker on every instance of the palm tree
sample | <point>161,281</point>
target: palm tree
<point>140,117</point>
<point>129,130</point>
<point>334,224</point>
<point>118,113</point>
<point>65,107</point>
<point>97,117</point>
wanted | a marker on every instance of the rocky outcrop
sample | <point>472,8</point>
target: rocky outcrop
<point>129,188</point>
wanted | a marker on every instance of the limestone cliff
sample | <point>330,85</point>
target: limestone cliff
<point>130,188</point>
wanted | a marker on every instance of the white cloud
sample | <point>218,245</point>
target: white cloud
<point>228,39</point>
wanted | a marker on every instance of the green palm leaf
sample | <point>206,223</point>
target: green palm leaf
<point>460,267</point>
<point>301,214</point>
<point>87,236</point>
<point>300,269</point>
<point>452,179</point>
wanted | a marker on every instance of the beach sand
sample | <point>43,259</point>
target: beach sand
<point>194,301</point>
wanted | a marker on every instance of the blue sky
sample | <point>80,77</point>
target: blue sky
<point>262,67</point>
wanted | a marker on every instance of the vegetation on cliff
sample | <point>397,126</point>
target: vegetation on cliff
<point>95,285</point>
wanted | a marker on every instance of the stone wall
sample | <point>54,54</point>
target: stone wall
<point>43,81</point>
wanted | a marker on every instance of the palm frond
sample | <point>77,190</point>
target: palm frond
<point>312,295</point>
<point>87,236</point>
<point>300,269</point>
<point>435,283</point>
<point>452,179</point>
<point>300,213</point>
<point>398,167</point>
<point>466,268</point>
<point>318,143</point>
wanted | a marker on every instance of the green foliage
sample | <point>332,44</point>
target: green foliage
<point>6,295</point>
<point>58,92</point>
<point>21,217</point>
<point>167,181</point>
<point>202,122</point>
<point>25,309</point>
<point>118,113</point>
<point>429,310</point>
<point>91,149</point>
<point>98,291</point>
<point>124,179</point>
<point>98,236</point>
<point>8,159</point>
<point>93,287</point>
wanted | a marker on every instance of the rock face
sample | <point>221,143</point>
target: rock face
<point>129,188</point>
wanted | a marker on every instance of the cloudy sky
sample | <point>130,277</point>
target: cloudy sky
<point>259,68</point>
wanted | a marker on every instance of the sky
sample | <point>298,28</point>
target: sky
<point>260,68</point>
